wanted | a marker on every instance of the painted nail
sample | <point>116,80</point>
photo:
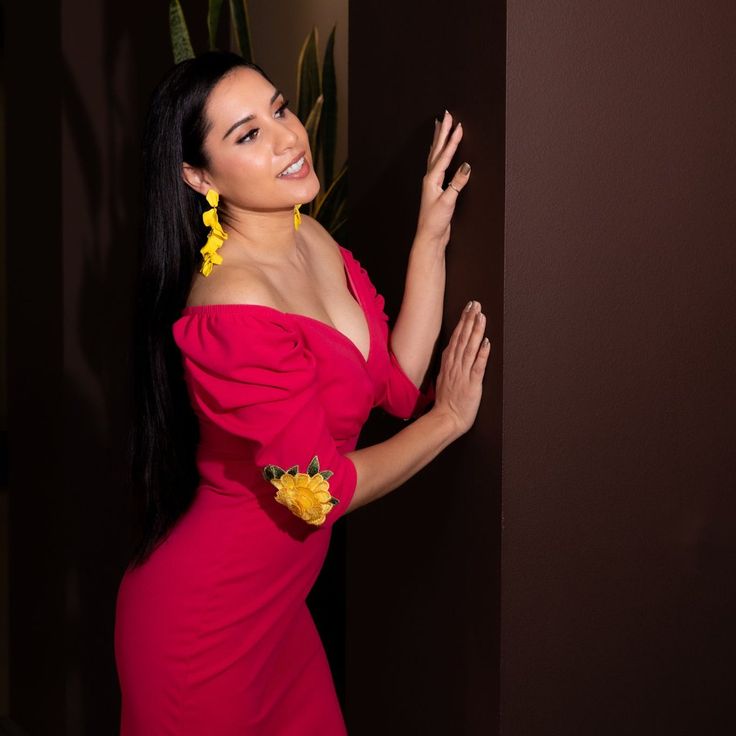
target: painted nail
<point>468,305</point>
<point>465,168</point>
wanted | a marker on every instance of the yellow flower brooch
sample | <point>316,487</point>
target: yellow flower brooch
<point>305,494</point>
<point>216,235</point>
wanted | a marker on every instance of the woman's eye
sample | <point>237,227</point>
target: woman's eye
<point>248,137</point>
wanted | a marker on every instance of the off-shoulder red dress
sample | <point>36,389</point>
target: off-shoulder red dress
<point>213,636</point>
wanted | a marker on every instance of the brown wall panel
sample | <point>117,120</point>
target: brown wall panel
<point>619,470</point>
<point>422,565</point>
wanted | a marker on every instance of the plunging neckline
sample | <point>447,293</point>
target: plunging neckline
<point>355,293</point>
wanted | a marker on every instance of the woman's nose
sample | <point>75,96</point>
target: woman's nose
<point>288,138</point>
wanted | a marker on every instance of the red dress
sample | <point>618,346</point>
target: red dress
<point>213,636</point>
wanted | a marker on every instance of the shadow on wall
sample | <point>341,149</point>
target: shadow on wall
<point>105,84</point>
<point>101,183</point>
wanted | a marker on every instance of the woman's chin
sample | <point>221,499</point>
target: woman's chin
<point>312,188</point>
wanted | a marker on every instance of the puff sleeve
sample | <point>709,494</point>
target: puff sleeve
<point>251,374</point>
<point>400,397</point>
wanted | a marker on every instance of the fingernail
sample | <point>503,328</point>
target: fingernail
<point>468,305</point>
<point>486,342</point>
<point>465,168</point>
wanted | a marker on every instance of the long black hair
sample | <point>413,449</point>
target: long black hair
<point>164,432</point>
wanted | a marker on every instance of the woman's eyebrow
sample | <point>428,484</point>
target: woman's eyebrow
<point>249,117</point>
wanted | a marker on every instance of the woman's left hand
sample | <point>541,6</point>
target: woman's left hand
<point>438,204</point>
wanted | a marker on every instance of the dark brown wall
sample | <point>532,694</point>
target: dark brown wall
<point>35,383</point>
<point>422,566</point>
<point>619,470</point>
<point>75,95</point>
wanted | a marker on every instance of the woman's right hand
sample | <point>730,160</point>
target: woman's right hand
<point>459,384</point>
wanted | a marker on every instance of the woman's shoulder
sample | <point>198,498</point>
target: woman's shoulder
<point>246,283</point>
<point>240,283</point>
<point>221,305</point>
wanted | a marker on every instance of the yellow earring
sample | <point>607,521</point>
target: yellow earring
<point>297,217</point>
<point>216,235</point>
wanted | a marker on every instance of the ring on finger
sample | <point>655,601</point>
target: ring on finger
<point>455,188</point>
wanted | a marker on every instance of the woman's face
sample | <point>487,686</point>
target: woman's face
<point>247,156</point>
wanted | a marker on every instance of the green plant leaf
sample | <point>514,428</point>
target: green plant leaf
<point>179,33</point>
<point>312,126</point>
<point>331,207</point>
<point>213,20</point>
<point>327,135</point>
<point>240,27</point>
<point>308,79</point>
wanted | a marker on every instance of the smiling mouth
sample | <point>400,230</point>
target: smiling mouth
<point>295,165</point>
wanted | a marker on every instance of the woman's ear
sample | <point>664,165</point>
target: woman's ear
<point>195,178</point>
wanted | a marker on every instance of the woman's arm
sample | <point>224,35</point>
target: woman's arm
<point>420,317</point>
<point>383,467</point>
<point>417,326</point>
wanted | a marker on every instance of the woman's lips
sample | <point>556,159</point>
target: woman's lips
<point>305,169</point>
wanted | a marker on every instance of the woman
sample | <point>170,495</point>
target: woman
<point>262,346</point>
